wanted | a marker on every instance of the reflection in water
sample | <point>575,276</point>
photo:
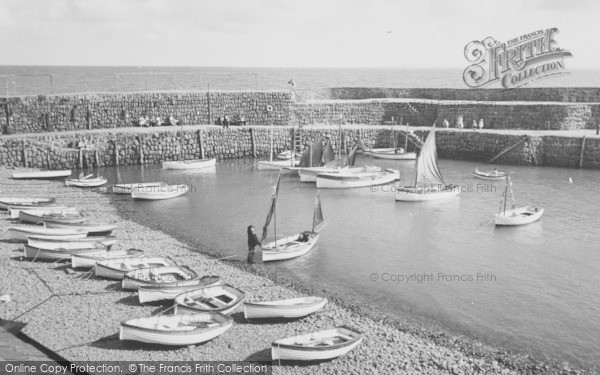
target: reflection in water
<point>544,296</point>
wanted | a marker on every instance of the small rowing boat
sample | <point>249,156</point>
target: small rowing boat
<point>38,216</point>
<point>87,181</point>
<point>15,211</point>
<point>286,308</point>
<point>344,180</point>
<point>40,174</point>
<point>151,293</point>
<point>189,164</point>
<point>128,188</point>
<point>157,276</point>
<point>492,175</point>
<point>186,329</point>
<point>159,192</point>
<point>285,155</point>
<point>223,299</point>
<point>22,233</point>
<point>394,154</point>
<point>36,241</point>
<point>93,229</point>
<point>5,202</point>
<point>33,252</point>
<point>67,245</point>
<point>89,260</point>
<point>117,268</point>
<point>315,346</point>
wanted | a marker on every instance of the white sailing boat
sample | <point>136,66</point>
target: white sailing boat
<point>189,164</point>
<point>516,216</point>
<point>295,245</point>
<point>429,184</point>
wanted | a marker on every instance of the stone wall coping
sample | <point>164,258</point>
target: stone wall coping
<point>441,102</point>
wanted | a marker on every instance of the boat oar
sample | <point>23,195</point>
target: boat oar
<point>88,176</point>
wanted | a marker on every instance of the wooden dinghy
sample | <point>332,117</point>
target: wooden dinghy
<point>92,228</point>
<point>286,308</point>
<point>21,233</point>
<point>515,216</point>
<point>117,268</point>
<point>189,164</point>
<point>151,293</point>
<point>493,175</point>
<point>66,245</point>
<point>62,216</point>
<point>223,299</point>
<point>128,188</point>
<point>285,155</point>
<point>394,154</point>
<point>186,329</point>
<point>36,241</point>
<point>354,180</point>
<point>275,165</point>
<point>310,174</point>
<point>322,345</point>
<point>33,252</point>
<point>89,260</point>
<point>40,174</point>
<point>5,202</point>
<point>15,211</point>
<point>87,181</point>
<point>157,276</point>
<point>160,192</point>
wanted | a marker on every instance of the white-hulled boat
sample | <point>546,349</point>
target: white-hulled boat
<point>186,329</point>
<point>223,299</point>
<point>493,175</point>
<point>38,216</point>
<point>157,276</point>
<point>344,180</point>
<point>286,155</point>
<point>274,165</point>
<point>117,268</point>
<point>339,165</point>
<point>159,192</point>
<point>21,233</point>
<point>33,252</point>
<point>15,211</point>
<point>73,244</point>
<point>429,184</point>
<point>87,181</point>
<point>189,164</point>
<point>91,228</point>
<point>395,154</point>
<point>295,245</point>
<point>40,174</point>
<point>5,202</point>
<point>315,346</point>
<point>286,308</point>
<point>310,174</point>
<point>128,188</point>
<point>516,216</point>
<point>36,241</point>
<point>89,260</point>
<point>151,293</point>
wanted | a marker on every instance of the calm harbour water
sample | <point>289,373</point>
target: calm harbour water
<point>540,294</point>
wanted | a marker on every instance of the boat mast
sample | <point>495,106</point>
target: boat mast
<point>405,138</point>
<point>505,193</point>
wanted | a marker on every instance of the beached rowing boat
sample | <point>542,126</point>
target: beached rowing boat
<point>151,293</point>
<point>117,268</point>
<point>159,192</point>
<point>59,242</point>
<point>286,308</point>
<point>322,345</point>
<point>89,260</point>
<point>186,329</point>
<point>93,229</point>
<point>22,232</point>
<point>15,211</point>
<point>5,202</point>
<point>38,216</point>
<point>157,276</point>
<point>33,252</point>
<point>223,299</point>
<point>40,174</point>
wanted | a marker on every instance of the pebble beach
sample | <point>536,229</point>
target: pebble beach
<point>77,315</point>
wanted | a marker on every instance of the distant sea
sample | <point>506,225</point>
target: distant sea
<point>33,80</point>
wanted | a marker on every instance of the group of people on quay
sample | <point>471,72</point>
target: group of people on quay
<point>225,121</point>
<point>460,123</point>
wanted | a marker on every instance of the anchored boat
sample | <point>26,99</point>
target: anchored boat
<point>516,216</point>
<point>322,345</point>
<point>429,183</point>
<point>286,308</point>
<point>493,175</point>
<point>189,164</point>
<point>40,174</point>
<point>87,181</point>
<point>22,233</point>
<point>159,192</point>
<point>128,188</point>
<point>186,329</point>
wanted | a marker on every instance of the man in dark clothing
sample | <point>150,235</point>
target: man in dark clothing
<point>252,243</point>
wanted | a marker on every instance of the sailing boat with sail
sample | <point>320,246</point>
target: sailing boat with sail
<point>429,184</point>
<point>516,216</point>
<point>395,153</point>
<point>295,245</point>
<point>189,164</point>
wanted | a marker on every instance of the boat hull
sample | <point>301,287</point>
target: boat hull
<point>38,216</point>
<point>91,228</point>
<point>32,252</point>
<point>189,164</point>
<point>284,350</point>
<point>41,174</point>
<point>522,216</point>
<point>128,188</point>
<point>152,293</point>
<point>5,202</point>
<point>90,182</point>
<point>15,211</point>
<point>274,165</point>
<point>159,276</point>
<point>21,234</point>
<point>409,194</point>
<point>160,193</point>
<point>117,268</point>
<point>356,180</point>
<point>489,176</point>
<point>288,248</point>
<point>89,260</point>
<point>310,174</point>
<point>223,299</point>
<point>394,156</point>
<point>284,309</point>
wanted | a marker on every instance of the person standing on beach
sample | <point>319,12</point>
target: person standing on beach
<point>253,242</point>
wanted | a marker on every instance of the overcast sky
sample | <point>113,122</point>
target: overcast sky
<point>286,33</point>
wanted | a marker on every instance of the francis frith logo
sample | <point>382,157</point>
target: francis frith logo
<point>516,62</point>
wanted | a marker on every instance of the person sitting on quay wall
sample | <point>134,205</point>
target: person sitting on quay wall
<point>480,124</point>
<point>220,120</point>
<point>446,123</point>
<point>226,122</point>
<point>459,122</point>
<point>173,121</point>
<point>474,126</point>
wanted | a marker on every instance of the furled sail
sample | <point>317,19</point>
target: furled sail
<point>272,208</point>
<point>328,155</point>
<point>318,221</point>
<point>312,156</point>
<point>352,156</point>
<point>428,172</point>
